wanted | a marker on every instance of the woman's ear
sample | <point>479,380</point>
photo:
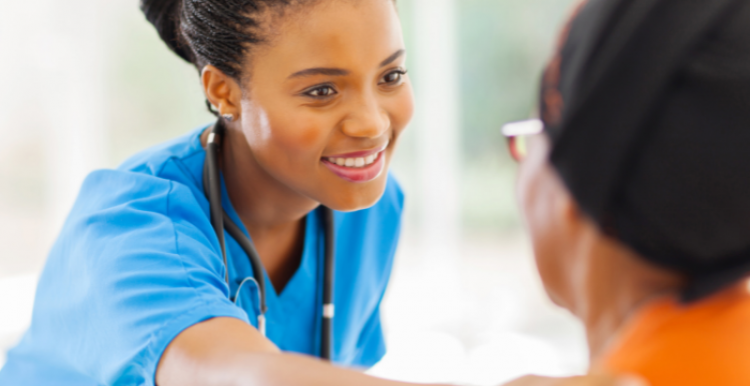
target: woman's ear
<point>222,91</point>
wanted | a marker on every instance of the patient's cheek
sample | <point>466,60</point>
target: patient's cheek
<point>537,197</point>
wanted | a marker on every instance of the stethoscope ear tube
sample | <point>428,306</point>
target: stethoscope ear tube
<point>220,220</point>
<point>214,192</point>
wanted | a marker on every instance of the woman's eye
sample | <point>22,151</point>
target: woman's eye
<point>394,77</point>
<point>321,92</point>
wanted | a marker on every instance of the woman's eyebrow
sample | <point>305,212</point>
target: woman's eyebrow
<point>339,71</point>
<point>319,71</point>
<point>393,57</point>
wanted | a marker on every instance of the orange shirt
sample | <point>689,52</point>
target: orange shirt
<point>706,343</point>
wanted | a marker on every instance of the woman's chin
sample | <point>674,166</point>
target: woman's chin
<point>357,196</point>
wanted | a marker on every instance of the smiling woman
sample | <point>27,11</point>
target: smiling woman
<point>318,90</point>
<point>311,97</point>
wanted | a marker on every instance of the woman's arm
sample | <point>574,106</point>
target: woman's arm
<point>229,352</point>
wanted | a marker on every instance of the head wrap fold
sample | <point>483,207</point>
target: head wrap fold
<point>648,108</point>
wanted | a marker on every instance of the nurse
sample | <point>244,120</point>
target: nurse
<point>310,97</point>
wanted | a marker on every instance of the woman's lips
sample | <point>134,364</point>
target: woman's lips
<point>362,166</point>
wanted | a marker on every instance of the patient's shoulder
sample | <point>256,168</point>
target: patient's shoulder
<point>706,343</point>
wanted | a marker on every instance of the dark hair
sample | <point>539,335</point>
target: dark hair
<point>648,123</point>
<point>216,32</point>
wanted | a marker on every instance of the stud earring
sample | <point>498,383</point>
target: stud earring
<point>228,117</point>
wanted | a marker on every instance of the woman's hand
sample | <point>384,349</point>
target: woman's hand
<point>588,380</point>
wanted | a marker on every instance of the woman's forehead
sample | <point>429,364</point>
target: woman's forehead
<point>332,34</point>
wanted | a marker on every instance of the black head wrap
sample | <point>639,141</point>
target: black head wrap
<point>647,105</point>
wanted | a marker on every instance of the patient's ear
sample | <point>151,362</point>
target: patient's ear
<point>569,211</point>
<point>565,208</point>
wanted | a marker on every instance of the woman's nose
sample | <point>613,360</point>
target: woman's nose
<point>368,120</point>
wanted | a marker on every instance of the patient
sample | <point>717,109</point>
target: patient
<point>637,193</point>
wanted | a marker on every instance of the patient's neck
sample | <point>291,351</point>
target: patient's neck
<point>617,283</point>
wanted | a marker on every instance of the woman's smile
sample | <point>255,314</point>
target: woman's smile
<point>359,166</point>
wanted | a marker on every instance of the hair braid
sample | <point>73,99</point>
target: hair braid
<point>216,32</point>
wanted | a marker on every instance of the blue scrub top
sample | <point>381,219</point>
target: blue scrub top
<point>137,262</point>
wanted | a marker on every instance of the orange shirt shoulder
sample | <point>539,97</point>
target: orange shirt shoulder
<point>706,343</point>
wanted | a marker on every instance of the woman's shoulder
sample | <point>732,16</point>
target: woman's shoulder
<point>153,160</point>
<point>163,182</point>
<point>114,190</point>
<point>155,180</point>
<point>698,344</point>
<point>132,217</point>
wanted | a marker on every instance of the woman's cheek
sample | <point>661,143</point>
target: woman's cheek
<point>303,136</point>
<point>403,108</point>
<point>256,124</point>
<point>537,217</point>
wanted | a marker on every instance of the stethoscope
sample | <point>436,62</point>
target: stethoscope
<point>220,220</point>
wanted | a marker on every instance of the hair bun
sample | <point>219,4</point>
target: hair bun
<point>165,17</point>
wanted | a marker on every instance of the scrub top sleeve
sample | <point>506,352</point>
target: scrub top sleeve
<point>145,268</point>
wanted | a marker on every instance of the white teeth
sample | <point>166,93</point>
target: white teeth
<point>354,162</point>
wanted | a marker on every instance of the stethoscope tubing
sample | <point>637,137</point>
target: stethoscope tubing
<point>221,221</point>
<point>328,311</point>
<point>213,192</point>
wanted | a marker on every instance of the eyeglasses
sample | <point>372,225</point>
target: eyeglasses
<point>517,132</point>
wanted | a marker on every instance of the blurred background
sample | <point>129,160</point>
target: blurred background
<point>84,84</point>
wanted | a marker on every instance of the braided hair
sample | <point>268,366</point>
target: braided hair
<point>216,32</point>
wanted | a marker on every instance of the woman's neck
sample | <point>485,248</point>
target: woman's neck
<point>617,285</point>
<point>605,316</point>
<point>272,213</point>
